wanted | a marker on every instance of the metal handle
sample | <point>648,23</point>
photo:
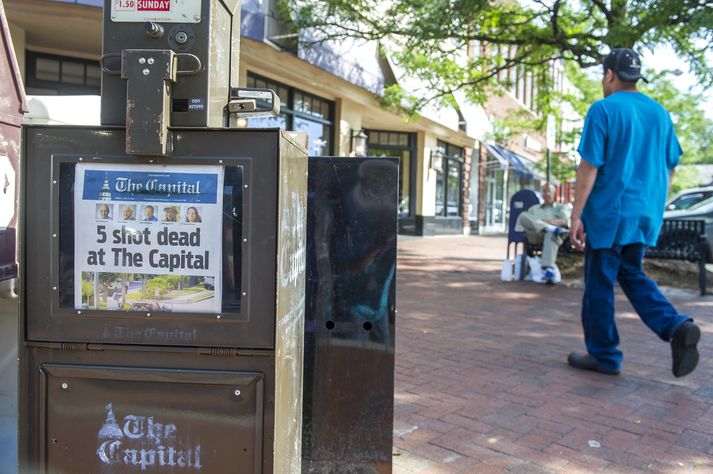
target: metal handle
<point>116,72</point>
<point>188,72</point>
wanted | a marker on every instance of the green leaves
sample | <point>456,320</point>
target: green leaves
<point>580,31</point>
<point>693,128</point>
<point>470,45</point>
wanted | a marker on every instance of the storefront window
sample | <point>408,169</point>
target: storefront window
<point>400,145</point>
<point>517,182</point>
<point>474,198</point>
<point>49,74</point>
<point>300,112</point>
<point>448,163</point>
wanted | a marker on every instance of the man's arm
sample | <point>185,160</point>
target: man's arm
<point>671,174</point>
<point>563,214</point>
<point>586,176</point>
<point>558,222</point>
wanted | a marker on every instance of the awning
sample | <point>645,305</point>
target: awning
<point>477,122</point>
<point>354,60</point>
<point>504,162</point>
<point>519,164</point>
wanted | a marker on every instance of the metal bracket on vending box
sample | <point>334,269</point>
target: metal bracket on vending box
<point>150,75</point>
<point>250,102</point>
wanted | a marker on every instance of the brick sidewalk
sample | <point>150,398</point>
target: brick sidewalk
<point>482,385</point>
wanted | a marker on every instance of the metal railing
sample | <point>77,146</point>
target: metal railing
<point>683,239</point>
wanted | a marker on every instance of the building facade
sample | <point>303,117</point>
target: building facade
<point>520,161</point>
<point>331,94</point>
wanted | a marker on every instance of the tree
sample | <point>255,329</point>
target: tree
<point>693,127</point>
<point>429,37</point>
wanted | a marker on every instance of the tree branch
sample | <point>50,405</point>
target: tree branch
<point>603,8</point>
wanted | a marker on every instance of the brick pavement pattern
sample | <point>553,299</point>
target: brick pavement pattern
<point>482,383</point>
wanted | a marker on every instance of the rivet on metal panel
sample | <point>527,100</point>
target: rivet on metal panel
<point>217,316</point>
<point>142,60</point>
<point>54,235</point>
<point>146,72</point>
<point>245,293</point>
<point>237,392</point>
<point>151,61</point>
<point>81,159</point>
<point>150,161</point>
<point>245,240</point>
<point>79,312</point>
<point>54,181</point>
<point>54,288</point>
<point>65,385</point>
<point>148,315</point>
<point>245,186</point>
<point>220,161</point>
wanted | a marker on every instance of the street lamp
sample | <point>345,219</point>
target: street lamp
<point>358,144</point>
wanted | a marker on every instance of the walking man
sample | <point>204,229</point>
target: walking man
<point>629,151</point>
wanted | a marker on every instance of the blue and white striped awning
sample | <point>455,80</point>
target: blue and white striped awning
<point>517,163</point>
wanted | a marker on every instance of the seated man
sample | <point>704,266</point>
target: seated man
<point>546,224</point>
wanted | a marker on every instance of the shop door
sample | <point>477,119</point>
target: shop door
<point>494,193</point>
<point>399,145</point>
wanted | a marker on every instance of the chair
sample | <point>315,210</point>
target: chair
<point>520,202</point>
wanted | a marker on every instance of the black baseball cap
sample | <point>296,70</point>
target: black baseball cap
<point>625,63</point>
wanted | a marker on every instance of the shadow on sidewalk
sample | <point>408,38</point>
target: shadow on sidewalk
<point>482,383</point>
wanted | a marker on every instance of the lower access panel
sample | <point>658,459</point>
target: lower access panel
<point>102,419</point>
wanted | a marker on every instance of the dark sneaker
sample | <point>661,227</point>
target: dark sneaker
<point>588,362</point>
<point>683,348</point>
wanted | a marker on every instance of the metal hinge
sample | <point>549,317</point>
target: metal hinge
<point>234,352</point>
<point>63,346</point>
<point>66,346</point>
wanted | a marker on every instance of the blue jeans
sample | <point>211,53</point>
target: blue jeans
<point>623,263</point>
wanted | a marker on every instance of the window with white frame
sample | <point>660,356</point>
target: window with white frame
<point>448,164</point>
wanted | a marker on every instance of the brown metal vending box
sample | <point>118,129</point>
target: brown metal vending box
<point>146,389</point>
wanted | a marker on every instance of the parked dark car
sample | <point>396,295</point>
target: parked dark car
<point>703,210</point>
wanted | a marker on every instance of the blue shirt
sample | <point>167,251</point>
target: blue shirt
<point>630,139</point>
